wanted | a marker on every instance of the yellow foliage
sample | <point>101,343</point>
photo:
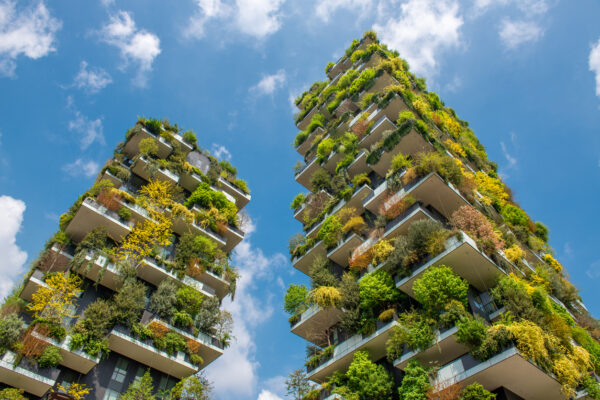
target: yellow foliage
<point>491,187</point>
<point>56,300</point>
<point>422,107</point>
<point>181,211</point>
<point>346,214</point>
<point>514,253</point>
<point>386,315</point>
<point>552,262</point>
<point>455,148</point>
<point>529,339</point>
<point>76,390</point>
<point>381,251</point>
<point>355,224</point>
<point>446,122</point>
<point>326,296</point>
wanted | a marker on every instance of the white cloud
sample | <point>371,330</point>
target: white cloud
<point>90,131</point>
<point>249,312</point>
<point>255,18</point>
<point>137,46</point>
<point>512,161</point>
<point>221,152</point>
<point>80,167</point>
<point>267,395</point>
<point>422,30</point>
<point>269,83</point>
<point>593,271</point>
<point>594,62</point>
<point>13,258</point>
<point>515,33</point>
<point>30,32</point>
<point>326,8</point>
<point>91,80</point>
<point>528,7</point>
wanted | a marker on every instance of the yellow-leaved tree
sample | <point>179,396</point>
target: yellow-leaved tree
<point>156,197</point>
<point>75,390</point>
<point>55,301</point>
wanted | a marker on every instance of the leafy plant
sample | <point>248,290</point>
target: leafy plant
<point>12,394</point>
<point>148,147</point>
<point>475,391</point>
<point>437,287</point>
<point>377,289</point>
<point>326,296</point>
<point>367,379</point>
<point>124,213</point>
<point>295,299</point>
<point>331,231</point>
<point>298,201</point>
<point>415,382</point>
<point>51,357</point>
<point>11,328</point>
<point>129,303</point>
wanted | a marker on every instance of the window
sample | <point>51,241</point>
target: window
<point>120,370</point>
<point>139,373</point>
<point>166,383</point>
<point>111,394</point>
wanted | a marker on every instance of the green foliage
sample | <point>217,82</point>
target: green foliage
<point>541,231</point>
<point>140,389</point>
<point>320,273</point>
<point>329,65</point>
<point>513,295</point>
<point>471,331</point>
<point>50,357</point>
<point>298,201</point>
<point>415,383</point>
<point>475,391</point>
<point>437,287</point>
<point>515,216</point>
<point>399,162</point>
<point>320,180</point>
<point>11,328</point>
<point>587,342</point>
<point>191,388</point>
<point>174,342</point>
<point>207,198</point>
<point>195,248</point>
<point>360,180</point>
<point>444,165</point>
<point>591,386</point>
<point>208,316</point>
<point>496,339</point>
<point>12,394</point>
<point>324,148</point>
<point>163,300</point>
<point>331,231</point>
<point>129,303</point>
<point>367,379</point>
<point>350,303</point>
<point>124,213</point>
<point>89,332</point>
<point>154,126</point>
<point>377,289</point>
<point>189,137</point>
<point>148,147</point>
<point>294,301</point>
<point>405,116</point>
<point>415,330</point>
<point>189,300</point>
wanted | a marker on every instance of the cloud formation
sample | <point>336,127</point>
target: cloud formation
<point>221,152</point>
<point>515,33</point>
<point>594,63</point>
<point>81,167</point>
<point>269,83</point>
<point>90,131</point>
<point>13,258</point>
<point>137,46</point>
<point>325,8</point>
<point>254,18</point>
<point>29,32</point>
<point>91,80</point>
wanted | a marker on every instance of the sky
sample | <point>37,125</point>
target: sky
<point>74,76</point>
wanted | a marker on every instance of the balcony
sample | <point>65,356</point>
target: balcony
<point>303,124</point>
<point>132,147</point>
<point>347,105</point>
<point>97,268</point>
<point>444,350</point>
<point>508,369</point>
<point>305,261</point>
<point>341,253</point>
<point>381,82</point>
<point>210,347</point>
<point>57,258</point>
<point>400,224</point>
<point>92,215</point>
<point>113,179</point>
<point>181,227</point>
<point>465,259</point>
<point>410,144</point>
<point>344,352</point>
<point>75,359</point>
<point>184,146</point>
<point>356,201</point>
<point>332,161</point>
<point>304,175</point>
<point>35,281</point>
<point>342,65</point>
<point>241,198</point>
<point>321,197</point>
<point>230,234</point>
<point>307,144</point>
<point>359,165</point>
<point>26,375</point>
<point>151,272</point>
<point>431,190</point>
<point>121,341</point>
<point>314,322</point>
<point>190,181</point>
<point>139,167</point>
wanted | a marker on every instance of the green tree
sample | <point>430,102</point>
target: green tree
<point>298,385</point>
<point>376,289</point>
<point>191,388</point>
<point>12,394</point>
<point>295,299</point>
<point>129,303</point>
<point>163,300</point>
<point>369,380</point>
<point>189,300</point>
<point>514,215</point>
<point>438,286</point>
<point>11,328</point>
<point>476,392</point>
<point>415,383</point>
<point>50,357</point>
<point>141,389</point>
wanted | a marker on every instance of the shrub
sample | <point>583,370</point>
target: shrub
<point>11,328</point>
<point>471,331</point>
<point>320,180</point>
<point>515,216</point>
<point>326,296</point>
<point>12,394</point>
<point>405,116</point>
<point>496,339</point>
<point>415,382</point>
<point>331,231</point>
<point>124,213</point>
<point>182,319</point>
<point>355,224</point>
<point>399,162</point>
<point>50,357</point>
<point>381,251</point>
<point>148,147</point>
<point>444,165</point>
<point>189,137</point>
<point>320,273</point>
<point>298,201</point>
<point>129,303</point>
<point>420,234</point>
<point>208,316</point>
<point>438,286</point>
<point>208,198</point>
<point>377,289</point>
<point>514,253</point>
<point>163,299</point>
<point>189,300</point>
<point>360,180</point>
<point>367,379</point>
<point>193,249</point>
<point>541,231</point>
<point>470,220</point>
<point>294,301</point>
<point>492,189</point>
<point>552,262</point>
<point>324,148</point>
<point>415,331</point>
<point>513,294</point>
<point>475,391</point>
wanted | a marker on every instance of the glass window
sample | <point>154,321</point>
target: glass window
<point>111,394</point>
<point>166,383</point>
<point>139,373</point>
<point>120,370</point>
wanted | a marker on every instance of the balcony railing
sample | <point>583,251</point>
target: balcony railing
<point>26,375</point>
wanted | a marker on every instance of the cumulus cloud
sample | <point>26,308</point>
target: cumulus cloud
<point>515,33</point>
<point>137,46</point>
<point>90,131</point>
<point>30,32</point>
<point>91,80</point>
<point>255,18</point>
<point>81,167</point>
<point>594,62</point>
<point>13,258</point>
<point>269,83</point>
<point>422,30</point>
<point>249,311</point>
<point>221,152</point>
<point>326,8</point>
<point>267,395</point>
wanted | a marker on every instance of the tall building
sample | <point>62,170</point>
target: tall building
<point>427,279</point>
<point>133,280</point>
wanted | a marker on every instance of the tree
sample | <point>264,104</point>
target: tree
<point>294,301</point>
<point>141,389</point>
<point>298,385</point>
<point>415,383</point>
<point>369,380</point>
<point>163,300</point>
<point>54,302</point>
<point>377,288</point>
<point>476,392</point>
<point>191,388</point>
<point>156,197</point>
<point>12,394</point>
<point>75,390</point>
<point>129,303</point>
<point>438,286</point>
<point>11,328</point>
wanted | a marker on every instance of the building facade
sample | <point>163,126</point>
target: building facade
<point>133,280</point>
<point>427,279</point>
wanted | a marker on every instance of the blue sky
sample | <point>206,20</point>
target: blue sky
<point>75,75</point>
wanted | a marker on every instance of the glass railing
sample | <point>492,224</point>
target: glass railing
<point>108,213</point>
<point>29,368</point>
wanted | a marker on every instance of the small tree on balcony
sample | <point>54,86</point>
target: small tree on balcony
<point>141,389</point>
<point>55,302</point>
